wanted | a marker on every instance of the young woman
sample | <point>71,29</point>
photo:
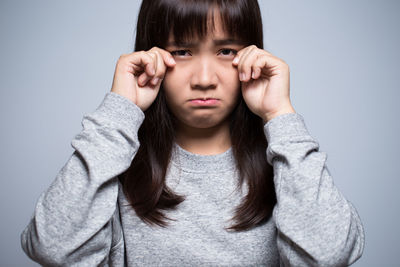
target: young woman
<point>195,158</point>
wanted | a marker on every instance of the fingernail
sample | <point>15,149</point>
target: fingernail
<point>253,75</point>
<point>155,80</point>
<point>242,76</point>
<point>171,60</point>
<point>236,60</point>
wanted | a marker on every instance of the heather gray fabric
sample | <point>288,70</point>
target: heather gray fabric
<point>84,219</point>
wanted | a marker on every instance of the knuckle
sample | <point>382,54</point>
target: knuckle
<point>153,49</point>
<point>122,57</point>
<point>157,52</point>
<point>284,66</point>
<point>154,53</point>
<point>151,54</point>
<point>283,63</point>
<point>259,62</point>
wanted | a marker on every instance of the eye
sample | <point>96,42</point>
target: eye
<point>180,53</point>
<point>228,52</point>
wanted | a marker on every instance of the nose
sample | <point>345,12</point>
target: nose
<point>204,75</point>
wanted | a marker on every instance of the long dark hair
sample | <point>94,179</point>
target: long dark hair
<point>144,182</point>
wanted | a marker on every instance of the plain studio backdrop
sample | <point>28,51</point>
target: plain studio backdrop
<point>57,61</point>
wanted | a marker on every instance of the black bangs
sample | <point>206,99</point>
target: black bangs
<point>189,19</point>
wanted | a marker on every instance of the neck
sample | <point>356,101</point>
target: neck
<point>204,141</point>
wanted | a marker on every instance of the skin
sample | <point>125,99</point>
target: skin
<point>206,69</point>
<point>203,69</point>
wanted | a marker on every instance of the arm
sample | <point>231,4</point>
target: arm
<point>74,218</point>
<point>316,225</point>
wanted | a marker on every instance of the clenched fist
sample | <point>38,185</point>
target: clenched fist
<point>138,75</point>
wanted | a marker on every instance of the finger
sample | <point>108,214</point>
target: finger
<point>160,68</point>
<point>142,60</point>
<point>137,70</point>
<point>267,64</point>
<point>268,53</point>
<point>243,52</point>
<point>259,64</point>
<point>146,78</point>
<point>246,62</point>
<point>240,63</point>
<point>239,54</point>
<point>166,56</point>
<point>142,79</point>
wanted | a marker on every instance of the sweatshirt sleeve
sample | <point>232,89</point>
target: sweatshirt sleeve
<point>316,225</point>
<point>74,219</point>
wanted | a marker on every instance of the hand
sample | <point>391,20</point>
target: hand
<point>265,82</point>
<point>138,75</point>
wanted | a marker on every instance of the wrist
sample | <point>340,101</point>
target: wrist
<point>269,116</point>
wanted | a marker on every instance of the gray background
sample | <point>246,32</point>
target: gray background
<point>57,61</point>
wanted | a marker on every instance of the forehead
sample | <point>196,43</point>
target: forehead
<point>215,30</point>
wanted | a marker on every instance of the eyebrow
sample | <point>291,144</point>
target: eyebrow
<point>216,42</point>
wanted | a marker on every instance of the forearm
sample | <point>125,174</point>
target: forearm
<point>317,225</point>
<point>72,217</point>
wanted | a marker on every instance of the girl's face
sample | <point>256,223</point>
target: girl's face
<point>203,70</point>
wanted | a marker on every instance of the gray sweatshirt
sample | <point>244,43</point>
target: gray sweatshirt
<point>84,218</point>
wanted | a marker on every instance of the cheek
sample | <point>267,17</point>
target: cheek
<point>232,84</point>
<point>231,79</point>
<point>226,68</point>
<point>174,79</point>
<point>170,82</point>
<point>173,83</point>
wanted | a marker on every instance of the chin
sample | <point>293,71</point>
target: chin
<point>203,122</point>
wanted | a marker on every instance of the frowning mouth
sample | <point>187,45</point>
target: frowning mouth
<point>203,98</point>
<point>205,101</point>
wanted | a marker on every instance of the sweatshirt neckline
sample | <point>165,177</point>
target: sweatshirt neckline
<point>198,163</point>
